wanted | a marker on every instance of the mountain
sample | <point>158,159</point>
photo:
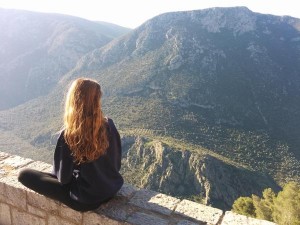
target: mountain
<point>113,29</point>
<point>37,49</point>
<point>221,83</point>
<point>223,78</point>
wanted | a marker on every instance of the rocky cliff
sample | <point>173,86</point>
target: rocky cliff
<point>157,166</point>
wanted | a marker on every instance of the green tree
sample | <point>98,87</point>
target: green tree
<point>244,206</point>
<point>264,207</point>
<point>287,205</point>
<point>284,208</point>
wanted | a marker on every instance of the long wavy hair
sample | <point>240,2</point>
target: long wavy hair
<point>84,123</point>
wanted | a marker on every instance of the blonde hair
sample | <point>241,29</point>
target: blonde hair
<point>84,123</point>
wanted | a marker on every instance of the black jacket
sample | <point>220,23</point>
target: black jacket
<point>94,181</point>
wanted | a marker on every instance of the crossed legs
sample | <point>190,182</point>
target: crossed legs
<point>48,185</point>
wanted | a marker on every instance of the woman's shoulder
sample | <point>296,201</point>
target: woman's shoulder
<point>113,131</point>
<point>57,135</point>
<point>60,135</point>
<point>110,122</point>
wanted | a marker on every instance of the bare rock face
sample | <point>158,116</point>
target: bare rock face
<point>240,20</point>
<point>154,165</point>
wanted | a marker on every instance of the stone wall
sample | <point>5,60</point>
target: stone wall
<point>21,206</point>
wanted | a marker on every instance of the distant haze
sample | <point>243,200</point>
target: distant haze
<point>133,13</point>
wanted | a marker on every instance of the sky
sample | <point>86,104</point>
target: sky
<point>132,13</point>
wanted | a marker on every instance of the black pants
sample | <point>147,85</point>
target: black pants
<point>48,185</point>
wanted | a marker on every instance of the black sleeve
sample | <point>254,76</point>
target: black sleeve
<point>63,164</point>
<point>119,146</point>
<point>116,142</point>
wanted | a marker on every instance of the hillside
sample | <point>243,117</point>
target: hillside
<point>37,49</point>
<point>223,80</point>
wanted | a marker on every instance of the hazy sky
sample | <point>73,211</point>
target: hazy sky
<point>132,13</point>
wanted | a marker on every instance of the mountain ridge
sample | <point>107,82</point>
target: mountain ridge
<point>43,47</point>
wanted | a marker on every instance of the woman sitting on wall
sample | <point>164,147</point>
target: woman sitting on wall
<point>87,156</point>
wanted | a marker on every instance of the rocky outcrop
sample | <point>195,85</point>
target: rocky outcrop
<point>157,166</point>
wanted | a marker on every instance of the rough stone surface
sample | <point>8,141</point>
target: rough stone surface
<point>116,209</point>
<point>12,192</point>
<point>186,222</point>
<point>232,218</point>
<point>12,181</point>
<point>15,161</point>
<point>199,212</point>
<point>127,191</point>
<point>3,155</point>
<point>36,211</point>
<point>71,214</point>
<point>146,219</point>
<point>2,196</point>
<point>4,214</point>
<point>22,218</point>
<point>42,202</point>
<point>155,201</point>
<point>55,220</point>
<point>40,166</point>
<point>92,218</point>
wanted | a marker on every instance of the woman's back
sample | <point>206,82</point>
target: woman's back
<point>87,156</point>
<point>93,181</point>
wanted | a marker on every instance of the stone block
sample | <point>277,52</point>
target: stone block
<point>12,180</point>
<point>127,191</point>
<point>199,212</point>
<point>42,202</point>
<point>4,155</point>
<point>154,201</point>
<point>36,211</point>
<point>12,192</point>
<point>2,195</point>
<point>23,218</point>
<point>139,218</point>
<point>93,218</point>
<point>3,172</point>
<point>186,222</point>
<point>5,214</point>
<point>55,220</point>
<point>15,162</point>
<point>71,214</point>
<point>37,165</point>
<point>116,209</point>
<point>232,218</point>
